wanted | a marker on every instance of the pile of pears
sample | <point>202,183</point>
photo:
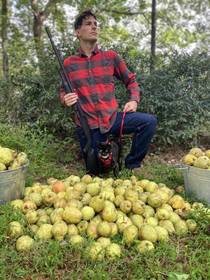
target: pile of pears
<point>93,213</point>
<point>198,158</point>
<point>11,159</point>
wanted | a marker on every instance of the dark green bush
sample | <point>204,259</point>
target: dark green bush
<point>179,94</point>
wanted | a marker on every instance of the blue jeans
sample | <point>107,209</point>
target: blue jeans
<point>141,125</point>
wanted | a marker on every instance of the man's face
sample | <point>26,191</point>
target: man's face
<point>88,31</point>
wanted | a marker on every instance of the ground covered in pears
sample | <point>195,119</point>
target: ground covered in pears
<point>83,227</point>
<point>102,224</point>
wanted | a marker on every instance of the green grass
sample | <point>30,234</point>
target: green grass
<point>53,260</point>
<point>181,258</point>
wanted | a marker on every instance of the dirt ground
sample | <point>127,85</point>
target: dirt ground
<point>170,155</point>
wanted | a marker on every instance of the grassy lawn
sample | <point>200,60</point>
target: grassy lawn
<point>181,258</point>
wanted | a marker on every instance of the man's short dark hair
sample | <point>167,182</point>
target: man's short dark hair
<point>81,17</point>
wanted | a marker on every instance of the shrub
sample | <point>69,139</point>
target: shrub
<point>179,94</point>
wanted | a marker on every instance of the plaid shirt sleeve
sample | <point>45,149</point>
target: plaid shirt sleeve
<point>122,73</point>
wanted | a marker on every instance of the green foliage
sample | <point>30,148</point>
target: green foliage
<point>32,97</point>
<point>201,216</point>
<point>45,153</point>
<point>172,177</point>
<point>178,93</point>
<point>184,28</point>
<point>49,257</point>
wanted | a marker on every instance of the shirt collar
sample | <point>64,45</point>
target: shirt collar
<point>82,53</point>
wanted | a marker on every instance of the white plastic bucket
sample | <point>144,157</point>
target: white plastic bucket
<point>12,184</point>
<point>197,182</point>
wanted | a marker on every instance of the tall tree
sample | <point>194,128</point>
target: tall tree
<point>40,13</point>
<point>4,38</point>
<point>153,36</point>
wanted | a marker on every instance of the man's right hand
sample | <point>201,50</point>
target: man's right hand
<point>70,99</point>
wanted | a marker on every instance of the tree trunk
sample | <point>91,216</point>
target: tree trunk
<point>37,32</point>
<point>153,36</point>
<point>4,26</point>
<point>39,18</point>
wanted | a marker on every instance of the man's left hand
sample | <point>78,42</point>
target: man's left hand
<point>130,106</point>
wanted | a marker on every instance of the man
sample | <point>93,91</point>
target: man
<point>92,73</point>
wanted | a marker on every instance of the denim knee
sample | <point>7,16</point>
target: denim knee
<point>153,121</point>
<point>151,124</point>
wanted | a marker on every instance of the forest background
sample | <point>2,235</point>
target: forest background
<point>166,43</point>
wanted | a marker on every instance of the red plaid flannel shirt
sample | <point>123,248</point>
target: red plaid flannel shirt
<point>93,81</point>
